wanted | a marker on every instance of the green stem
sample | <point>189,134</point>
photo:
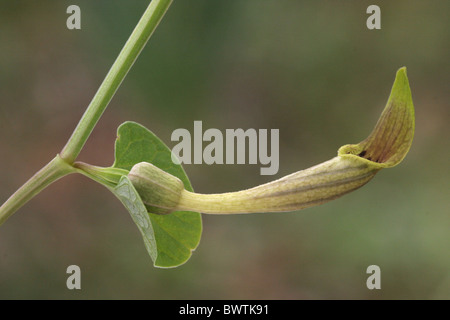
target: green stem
<point>55,169</point>
<point>108,177</point>
<point>143,31</point>
<point>62,164</point>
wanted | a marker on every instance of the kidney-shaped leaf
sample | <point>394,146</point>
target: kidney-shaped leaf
<point>169,238</point>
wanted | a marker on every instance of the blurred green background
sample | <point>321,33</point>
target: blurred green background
<point>309,68</point>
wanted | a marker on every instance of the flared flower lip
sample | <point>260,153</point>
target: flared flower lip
<point>393,134</point>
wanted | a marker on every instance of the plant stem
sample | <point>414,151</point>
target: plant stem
<point>143,31</point>
<point>109,177</point>
<point>62,164</point>
<point>55,169</point>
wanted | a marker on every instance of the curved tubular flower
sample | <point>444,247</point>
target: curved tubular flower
<point>353,167</point>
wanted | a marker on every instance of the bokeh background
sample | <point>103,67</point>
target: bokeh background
<point>309,68</point>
